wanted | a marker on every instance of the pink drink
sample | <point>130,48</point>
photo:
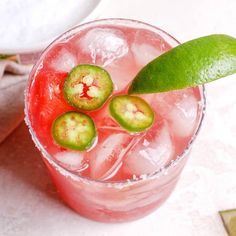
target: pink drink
<point>123,176</point>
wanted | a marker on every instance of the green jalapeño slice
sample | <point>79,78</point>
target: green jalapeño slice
<point>131,112</point>
<point>74,130</point>
<point>87,87</point>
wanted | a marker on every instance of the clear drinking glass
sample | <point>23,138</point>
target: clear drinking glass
<point>113,201</point>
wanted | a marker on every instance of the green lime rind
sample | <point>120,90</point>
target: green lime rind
<point>132,113</point>
<point>193,63</point>
<point>229,219</point>
<point>74,130</point>
<point>102,81</point>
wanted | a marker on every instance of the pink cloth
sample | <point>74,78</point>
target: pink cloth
<point>13,77</point>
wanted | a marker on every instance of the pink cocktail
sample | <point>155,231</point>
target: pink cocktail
<point>123,176</point>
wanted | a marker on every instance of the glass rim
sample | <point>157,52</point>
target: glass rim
<point>157,174</point>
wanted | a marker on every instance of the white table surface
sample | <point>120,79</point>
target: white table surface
<point>29,205</point>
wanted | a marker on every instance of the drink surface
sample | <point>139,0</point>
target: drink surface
<point>117,154</point>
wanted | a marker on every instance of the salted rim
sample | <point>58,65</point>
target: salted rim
<point>70,33</point>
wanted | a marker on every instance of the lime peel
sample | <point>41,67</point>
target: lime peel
<point>193,63</point>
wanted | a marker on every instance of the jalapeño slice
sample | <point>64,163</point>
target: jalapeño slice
<point>87,87</point>
<point>131,112</point>
<point>74,130</point>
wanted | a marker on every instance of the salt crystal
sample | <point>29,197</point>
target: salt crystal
<point>26,22</point>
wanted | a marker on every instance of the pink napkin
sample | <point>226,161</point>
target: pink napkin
<point>13,78</point>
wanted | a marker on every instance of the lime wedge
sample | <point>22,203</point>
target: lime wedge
<point>195,62</point>
<point>229,219</point>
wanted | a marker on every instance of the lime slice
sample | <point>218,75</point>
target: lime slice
<point>195,62</point>
<point>229,220</point>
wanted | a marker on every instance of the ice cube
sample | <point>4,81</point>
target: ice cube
<point>146,46</point>
<point>71,160</point>
<point>108,155</point>
<point>151,154</point>
<point>182,116</point>
<point>144,53</point>
<point>64,61</point>
<point>162,103</point>
<point>123,71</point>
<point>179,108</point>
<point>104,45</point>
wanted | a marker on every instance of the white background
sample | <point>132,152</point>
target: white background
<point>29,205</point>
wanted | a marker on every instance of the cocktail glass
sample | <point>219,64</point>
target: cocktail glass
<point>103,199</point>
